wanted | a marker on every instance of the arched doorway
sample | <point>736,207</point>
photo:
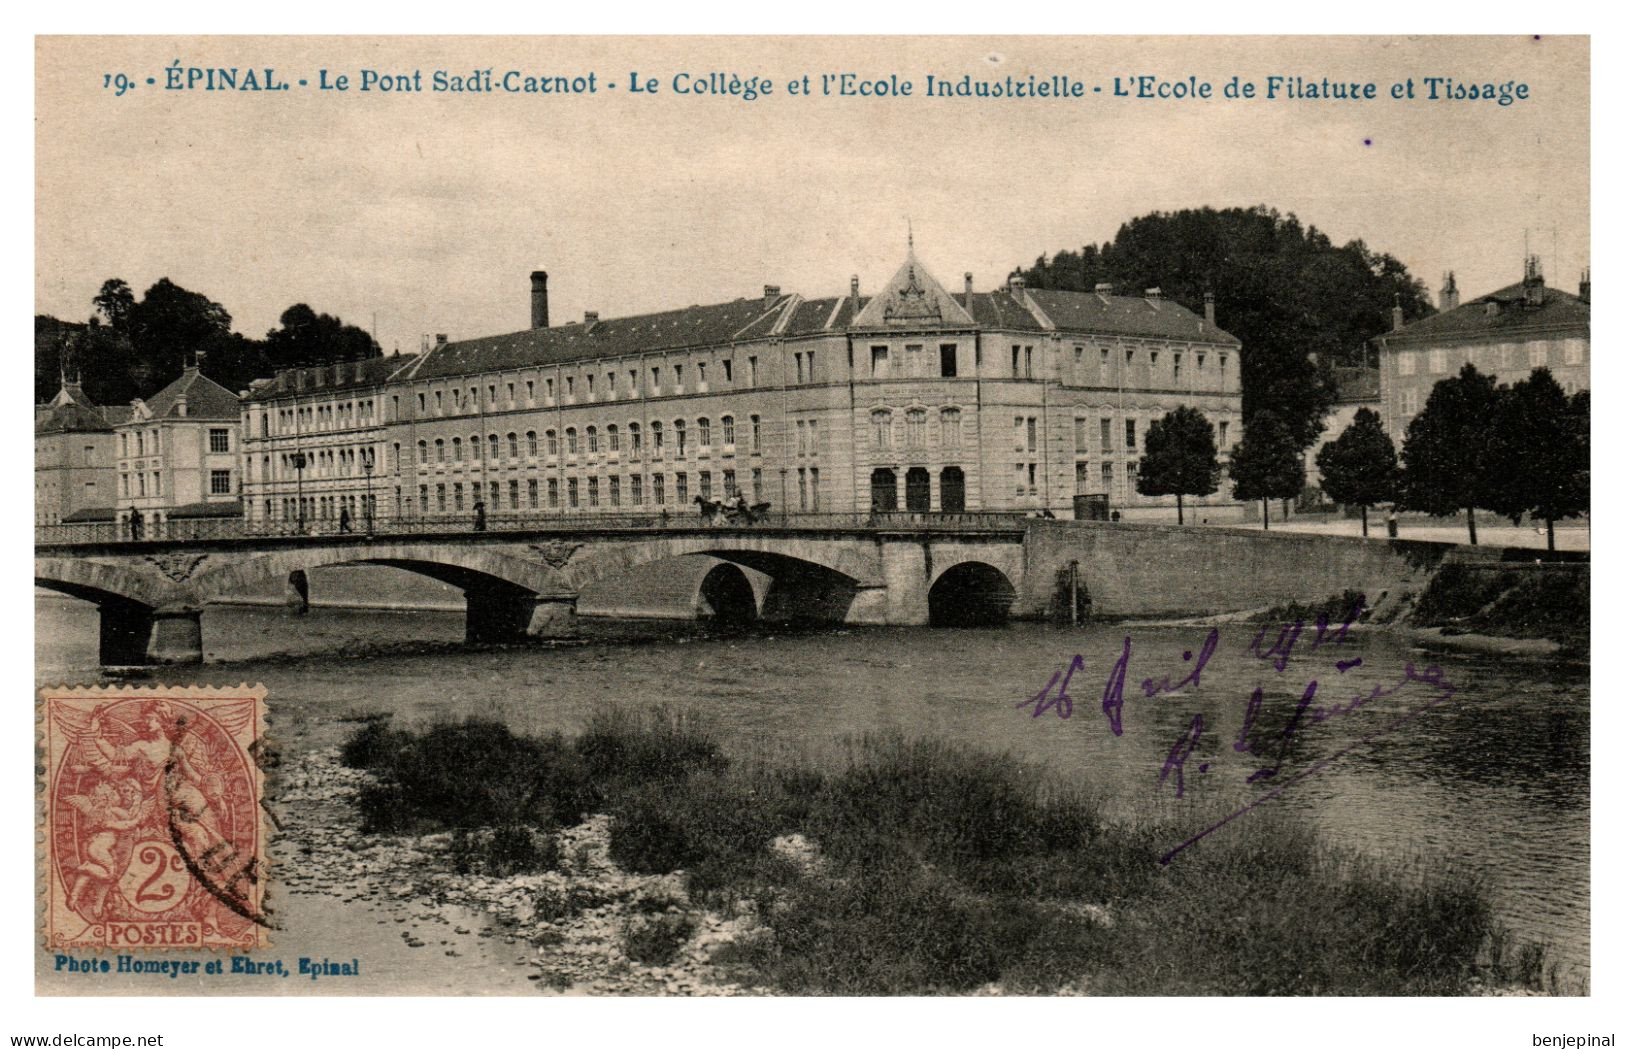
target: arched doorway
<point>953,489</point>
<point>726,597</point>
<point>917,489</point>
<point>883,490</point>
<point>971,594</point>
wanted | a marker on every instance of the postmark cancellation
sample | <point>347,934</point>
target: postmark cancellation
<point>153,836</point>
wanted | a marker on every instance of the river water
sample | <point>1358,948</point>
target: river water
<point>1496,779</point>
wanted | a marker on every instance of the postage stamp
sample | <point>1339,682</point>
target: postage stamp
<point>154,836</point>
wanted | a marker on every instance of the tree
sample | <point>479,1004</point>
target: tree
<point>116,303</point>
<point>1540,443</point>
<point>1447,459</point>
<point>1266,464</point>
<point>1285,290</point>
<point>1180,458</point>
<point>1360,467</point>
<point>310,339</point>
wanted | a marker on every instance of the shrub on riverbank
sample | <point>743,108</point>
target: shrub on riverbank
<point>921,866</point>
<point>1523,603</point>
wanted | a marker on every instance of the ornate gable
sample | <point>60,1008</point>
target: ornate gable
<point>912,299</point>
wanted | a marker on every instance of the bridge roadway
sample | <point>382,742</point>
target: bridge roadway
<point>521,578</point>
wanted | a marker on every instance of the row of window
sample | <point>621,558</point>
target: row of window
<point>306,418</point>
<point>1537,354</point>
<point>151,483</point>
<point>574,493</point>
<point>592,441</point>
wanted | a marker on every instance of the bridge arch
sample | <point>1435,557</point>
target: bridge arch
<point>970,593</point>
<point>837,560</point>
<point>726,596</point>
<point>102,583</point>
<point>473,569</point>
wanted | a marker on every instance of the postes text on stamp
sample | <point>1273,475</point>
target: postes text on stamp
<point>153,828</point>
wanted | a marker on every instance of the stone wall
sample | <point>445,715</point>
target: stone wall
<point>1154,569</point>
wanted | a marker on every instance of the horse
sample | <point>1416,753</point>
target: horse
<point>720,512</point>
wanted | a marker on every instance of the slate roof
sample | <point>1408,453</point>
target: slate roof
<point>790,316</point>
<point>372,371</point>
<point>234,508</point>
<point>205,399</point>
<point>72,411</point>
<point>1514,314</point>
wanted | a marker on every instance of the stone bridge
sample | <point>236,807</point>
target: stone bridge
<point>525,582</point>
<point>151,595</point>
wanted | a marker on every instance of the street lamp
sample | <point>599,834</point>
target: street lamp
<point>366,469</point>
<point>298,460</point>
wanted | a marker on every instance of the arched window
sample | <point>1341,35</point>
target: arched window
<point>728,430</point>
<point>552,444</point>
<point>474,446</point>
<point>592,440</point>
<point>681,437</point>
<point>915,419</point>
<point>613,434</point>
<point>439,449</point>
<point>456,449</point>
<point>657,438</point>
<point>530,443</point>
<point>495,446</point>
<point>570,447</point>
<point>423,451</point>
<point>704,425</point>
<point>634,439</point>
<point>880,420</point>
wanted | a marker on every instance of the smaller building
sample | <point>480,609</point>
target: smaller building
<point>1507,333</point>
<point>74,474</point>
<point>177,451</point>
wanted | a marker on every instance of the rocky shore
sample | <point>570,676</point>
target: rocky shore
<point>575,919</point>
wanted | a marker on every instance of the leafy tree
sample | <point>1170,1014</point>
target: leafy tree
<point>1266,464</point>
<point>1540,443</point>
<point>1448,461</point>
<point>1285,290</point>
<point>1180,458</point>
<point>1360,467</point>
<point>116,304</point>
<point>307,338</point>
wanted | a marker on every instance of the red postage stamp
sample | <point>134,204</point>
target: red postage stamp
<point>153,834</point>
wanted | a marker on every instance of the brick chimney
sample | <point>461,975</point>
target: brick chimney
<point>538,298</point>
<point>1018,284</point>
<point>1585,286</point>
<point>1103,288</point>
<point>439,339</point>
<point>854,293</point>
<point>1208,310</point>
<point>968,290</point>
<point>590,318</point>
<point>1449,297</point>
<point>770,291</point>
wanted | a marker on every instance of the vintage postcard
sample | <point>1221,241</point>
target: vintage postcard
<point>786,516</point>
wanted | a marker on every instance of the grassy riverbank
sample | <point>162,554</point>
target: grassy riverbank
<point>918,866</point>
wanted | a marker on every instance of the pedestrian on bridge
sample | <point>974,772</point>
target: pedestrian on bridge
<point>479,515</point>
<point>344,519</point>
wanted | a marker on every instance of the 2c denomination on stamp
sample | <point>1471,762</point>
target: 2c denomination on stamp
<point>153,834</point>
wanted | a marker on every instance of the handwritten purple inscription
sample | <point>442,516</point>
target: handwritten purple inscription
<point>1273,649</point>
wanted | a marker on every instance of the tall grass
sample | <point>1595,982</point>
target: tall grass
<point>938,868</point>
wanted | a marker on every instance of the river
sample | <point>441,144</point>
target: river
<point>1496,779</point>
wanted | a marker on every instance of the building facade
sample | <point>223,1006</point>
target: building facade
<point>1507,333</point>
<point>177,452</point>
<point>74,462</point>
<point>313,444</point>
<point>912,399</point>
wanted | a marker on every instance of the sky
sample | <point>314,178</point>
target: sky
<point>418,213</point>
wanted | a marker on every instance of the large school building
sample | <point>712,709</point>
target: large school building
<point>915,398</point>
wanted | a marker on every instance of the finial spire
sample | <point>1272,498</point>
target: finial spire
<point>910,223</point>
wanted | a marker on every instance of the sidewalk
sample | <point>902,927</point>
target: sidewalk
<point>1571,535</point>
